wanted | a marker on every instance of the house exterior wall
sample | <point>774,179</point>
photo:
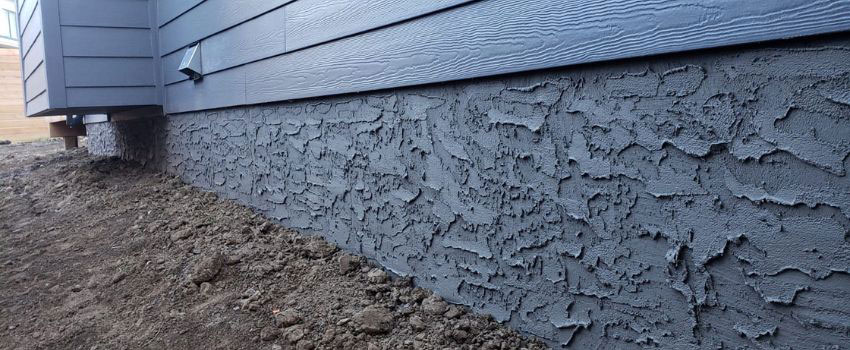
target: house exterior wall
<point>109,56</point>
<point>85,56</point>
<point>696,200</point>
<point>260,51</point>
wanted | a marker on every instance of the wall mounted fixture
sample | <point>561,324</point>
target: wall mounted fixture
<point>191,63</point>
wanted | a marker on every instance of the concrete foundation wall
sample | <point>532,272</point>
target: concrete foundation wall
<point>696,200</point>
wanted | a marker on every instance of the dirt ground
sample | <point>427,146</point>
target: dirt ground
<point>97,253</point>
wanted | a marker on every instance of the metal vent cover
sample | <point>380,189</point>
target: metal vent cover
<point>191,63</point>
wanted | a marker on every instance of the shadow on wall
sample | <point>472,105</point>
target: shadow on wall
<point>690,201</point>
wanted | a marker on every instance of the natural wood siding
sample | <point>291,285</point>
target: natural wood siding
<point>13,125</point>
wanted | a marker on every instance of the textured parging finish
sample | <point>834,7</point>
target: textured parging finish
<point>691,201</point>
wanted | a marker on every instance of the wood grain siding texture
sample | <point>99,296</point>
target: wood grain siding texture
<point>211,17</point>
<point>105,13</point>
<point>496,37</point>
<point>168,10</point>
<point>218,90</point>
<point>310,22</point>
<point>268,35</point>
<point>262,37</point>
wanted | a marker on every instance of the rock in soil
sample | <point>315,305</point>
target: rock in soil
<point>374,320</point>
<point>287,318</point>
<point>269,333</point>
<point>434,305</point>
<point>207,268</point>
<point>348,263</point>
<point>137,261</point>
<point>377,276</point>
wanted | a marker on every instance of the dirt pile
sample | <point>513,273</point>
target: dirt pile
<point>101,254</point>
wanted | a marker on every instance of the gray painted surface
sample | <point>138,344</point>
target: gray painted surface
<point>105,13</point>
<point>699,200</point>
<point>301,24</point>
<point>33,72</point>
<point>208,18</point>
<point>312,22</point>
<point>476,39</point>
<point>88,53</point>
<point>171,9</point>
<point>259,51</point>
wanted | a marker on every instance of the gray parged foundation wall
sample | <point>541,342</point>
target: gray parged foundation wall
<point>695,200</point>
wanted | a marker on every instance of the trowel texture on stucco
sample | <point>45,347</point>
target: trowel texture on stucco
<point>689,201</point>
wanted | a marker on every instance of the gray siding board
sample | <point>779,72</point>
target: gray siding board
<point>170,63</point>
<point>168,10</point>
<point>219,90</point>
<point>315,22</point>
<point>106,42</point>
<point>36,84</point>
<point>37,104</point>
<point>29,35</point>
<point>310,22</point>
<point>108,13</point>
<point>111,96</point>
<point>260,38</point>
<point>33,59</point>
<point>484,39</point>
<point>154,43</point>
<point>495,37</point>
<point>196,24</point>
<point>26,13</point>
<point>134,72</point>
<point>52,36</point>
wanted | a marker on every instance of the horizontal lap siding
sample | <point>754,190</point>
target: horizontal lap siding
<point>168,10</point>
<point>36,84</point>
<point>107,96</point>
<point>134,72</point>
<point>106,42</point>
<point>25,15</point>
<point>491,37</point>
<point>34,58</point>
<point>108,53</point>
<point>308,22</point>
<point>105,13</point>
<point>29,35</point>
<point>208,18</point>
<point>32,66</point>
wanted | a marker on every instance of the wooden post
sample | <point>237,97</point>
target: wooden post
<point>70,142</point>
<point>69,134</point>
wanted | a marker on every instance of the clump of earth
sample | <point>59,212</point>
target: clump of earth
<point>98,253</point>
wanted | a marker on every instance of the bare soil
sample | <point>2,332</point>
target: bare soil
<point>97,253</point>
